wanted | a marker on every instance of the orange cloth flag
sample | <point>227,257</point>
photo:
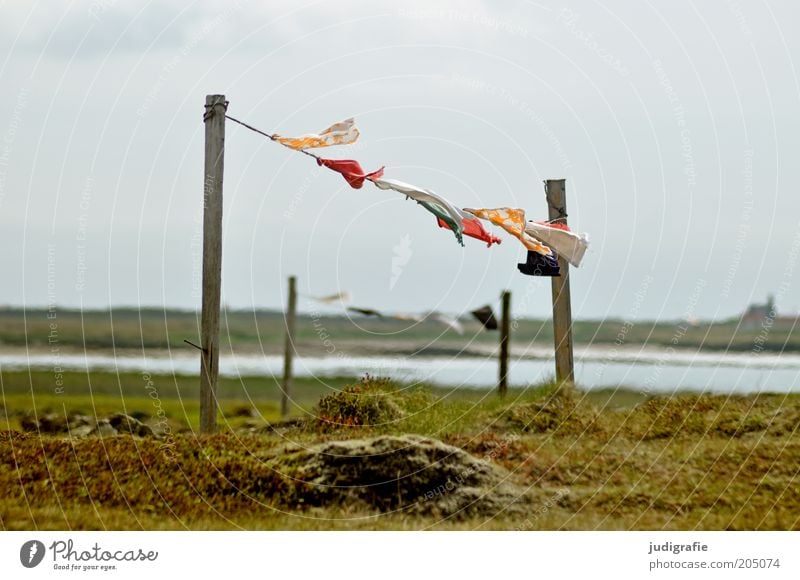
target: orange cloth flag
<point>341,133</point>
<point>512,220</point>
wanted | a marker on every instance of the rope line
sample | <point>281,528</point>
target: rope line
<point>271,137</point>
<point>210,110</point>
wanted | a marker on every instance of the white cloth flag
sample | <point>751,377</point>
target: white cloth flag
<point>449,321</point>
<point>409,317</point>
<point>340,297</point>
<point>421,194</point>
<point>341,133</point>
<point>570,245</point>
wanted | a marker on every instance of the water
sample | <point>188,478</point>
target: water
<point>657,371</point>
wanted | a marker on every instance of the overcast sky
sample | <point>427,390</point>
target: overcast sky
<point>676,125</point>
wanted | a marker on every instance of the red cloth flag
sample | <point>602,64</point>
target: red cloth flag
<point>351,170</point>
<point>474,229</point>
<point>564,227</point>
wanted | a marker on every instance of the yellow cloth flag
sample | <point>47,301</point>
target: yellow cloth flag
<point>341,133</point>
<point>512,220</point>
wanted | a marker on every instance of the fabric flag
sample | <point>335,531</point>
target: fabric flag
<point>539,265</point>
<point>434,203</point>
<point>341,133</point>
<point>485,316</point>
<point>472,227</point>
<point>442,215</point>
<point>564,242</point>
<point>448,321</point>
<point>512,220</point>
<point>365,311</point>
<point>556,225</point>
<point>351,170</point>
<point>339,297</point>
<point>409,317</point>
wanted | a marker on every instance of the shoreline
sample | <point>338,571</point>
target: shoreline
<point>642,355</point>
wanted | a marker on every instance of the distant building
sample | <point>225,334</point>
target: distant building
<point>758,315</point>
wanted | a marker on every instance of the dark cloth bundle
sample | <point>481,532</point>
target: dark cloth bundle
<point>485,316</point>
<point>539,265</point>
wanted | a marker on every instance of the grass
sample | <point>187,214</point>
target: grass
<point>101,393</point>
<point>606,460</point>
<point>128,328</point>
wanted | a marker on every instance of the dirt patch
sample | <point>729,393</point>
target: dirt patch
<point>408,472</point>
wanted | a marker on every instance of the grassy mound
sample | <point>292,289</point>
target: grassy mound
<point>390,473</point>
<point>570,413</point>
<point>560,412</point>
<point>713,415</point>
<point>370,402</point>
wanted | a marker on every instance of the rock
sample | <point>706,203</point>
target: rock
<point>250,427</point>
<point>140,415</point>
<point>53,423</point>
<point>81,431</point>
<point>390,473</point>
<point>29,423</point>
<point>244,411</point>
<point>103,429</point>
<point>126,424</point>
<point>165,427</point>
<point>49,423</point>
<point>79,421</point>
<point>282,426</point>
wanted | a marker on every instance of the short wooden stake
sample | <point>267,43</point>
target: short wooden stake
<point>214,119</point>
<point>555,191</point>
<point>505,335</point>
<point>288,351</point>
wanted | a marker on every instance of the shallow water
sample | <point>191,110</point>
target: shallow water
<point>657,371</point>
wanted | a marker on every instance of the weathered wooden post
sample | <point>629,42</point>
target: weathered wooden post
<point>556,193</point>
<point>505,334</point>
<point>288,352</point>
<point>214,119</point>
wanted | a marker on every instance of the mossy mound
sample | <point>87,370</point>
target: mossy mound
<point>712,415</point>
<point>567,413</point>
<point>368,403</point>
<point>560,412</point>
<point>391,473</point>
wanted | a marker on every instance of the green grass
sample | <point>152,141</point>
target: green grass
<point>102,393</point>
<point>127,328</point>
<point>606,460</point>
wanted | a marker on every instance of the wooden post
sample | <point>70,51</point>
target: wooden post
<point>555,191</point>
<point>288,352</point>
<point>214,119</point>
<point>505,335</point>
